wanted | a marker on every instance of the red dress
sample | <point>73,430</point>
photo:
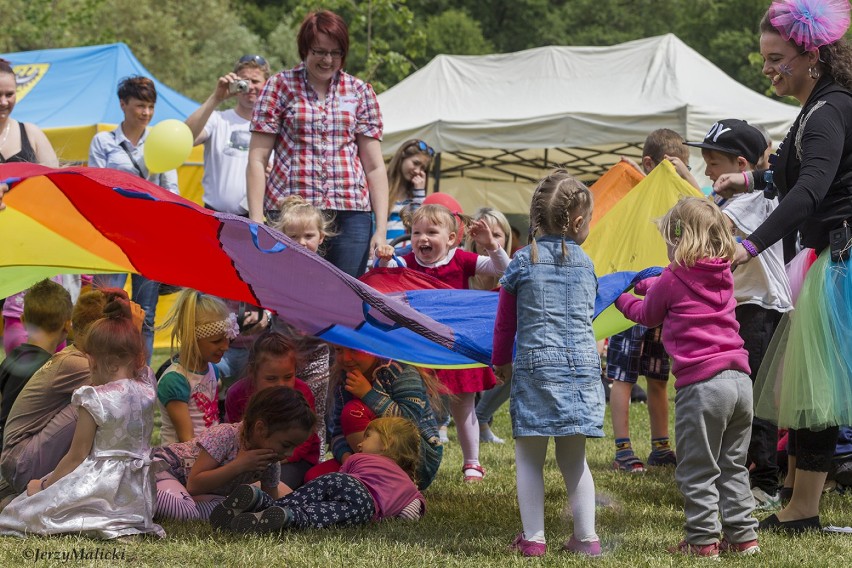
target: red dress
<point>456,274</point>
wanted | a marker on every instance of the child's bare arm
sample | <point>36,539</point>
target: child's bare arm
<point>178,412</point>
<point>207,475</point>
<point>683,171</point>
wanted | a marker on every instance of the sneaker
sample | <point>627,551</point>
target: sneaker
<point>662,459</point>
<point>592,548</point>
<point>442,435</point>
<point>764,501</point>
<point>527,548</point>
<point>703,550</point>
<point>746,548</point>
<point>487,436</point>
<point>269,520</point>
<point>243,498</point>
<point>628,464</point>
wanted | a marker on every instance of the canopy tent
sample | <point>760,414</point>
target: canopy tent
<point>499,122</point>
<point>70,93</point>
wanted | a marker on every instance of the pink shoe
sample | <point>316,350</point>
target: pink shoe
<point>592,548</point>
<point>468,478</point>
<point>527,548</point>
<point>704,550</point>
<point>746,548</point>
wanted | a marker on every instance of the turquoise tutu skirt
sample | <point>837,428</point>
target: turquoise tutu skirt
<point>806,378</point>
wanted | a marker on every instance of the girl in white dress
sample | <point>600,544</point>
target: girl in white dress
<point>104,486</point>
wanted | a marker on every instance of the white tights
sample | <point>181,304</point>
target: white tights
<point>463,409</point>
<point>530,452</point>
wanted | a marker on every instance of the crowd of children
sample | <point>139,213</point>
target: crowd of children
<point>311,435</point>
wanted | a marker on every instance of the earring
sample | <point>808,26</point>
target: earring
<point>814,73</point>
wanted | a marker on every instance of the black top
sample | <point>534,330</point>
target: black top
<point>27,154</point>
<point>813,171</point>
<point>15,372</point>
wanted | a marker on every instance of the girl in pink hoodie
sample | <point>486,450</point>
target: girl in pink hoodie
<point>694,298</point>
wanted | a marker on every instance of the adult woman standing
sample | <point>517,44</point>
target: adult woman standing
<point>324,126</point>
<point>123,149</point>
<point>809,381</point>
<point>20,142</point>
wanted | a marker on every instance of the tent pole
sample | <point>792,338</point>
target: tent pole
<point>437,170</point>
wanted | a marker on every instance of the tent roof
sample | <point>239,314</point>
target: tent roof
<point>77,86</point>
<point>508,116</point>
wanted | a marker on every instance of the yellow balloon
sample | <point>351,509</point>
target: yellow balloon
<point>167,146</point>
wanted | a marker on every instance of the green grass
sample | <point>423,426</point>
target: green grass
<point>470,526</point>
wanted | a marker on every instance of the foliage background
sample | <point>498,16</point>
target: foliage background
<point>187,45</point>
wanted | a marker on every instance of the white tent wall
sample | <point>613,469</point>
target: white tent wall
<point>499,122</point>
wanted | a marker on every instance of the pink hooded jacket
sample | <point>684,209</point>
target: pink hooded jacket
<point>696,307</point>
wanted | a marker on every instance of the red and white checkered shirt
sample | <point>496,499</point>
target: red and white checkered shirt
<point>316,156</point>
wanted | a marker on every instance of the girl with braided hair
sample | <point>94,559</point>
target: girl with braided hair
<point>548,298</point>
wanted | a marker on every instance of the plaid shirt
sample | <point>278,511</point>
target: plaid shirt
<point>316,156</point>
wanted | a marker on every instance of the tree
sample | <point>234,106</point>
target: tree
<point>455,32</point>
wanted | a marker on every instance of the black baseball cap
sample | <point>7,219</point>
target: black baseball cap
<point>736,137</point>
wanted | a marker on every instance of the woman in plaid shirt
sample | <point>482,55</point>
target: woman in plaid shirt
<point>324,126</point>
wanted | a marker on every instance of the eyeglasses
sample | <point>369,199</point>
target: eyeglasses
<point>322,53</point>
<point>424,147</point>
<point>253,59</point>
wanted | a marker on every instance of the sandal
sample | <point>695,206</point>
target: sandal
<point>473,478</point>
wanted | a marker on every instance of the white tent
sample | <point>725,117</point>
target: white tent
<point>498,122</point>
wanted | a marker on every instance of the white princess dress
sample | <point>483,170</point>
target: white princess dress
<point>112,492</point>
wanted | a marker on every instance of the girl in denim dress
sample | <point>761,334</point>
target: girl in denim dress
<point>548,297</point>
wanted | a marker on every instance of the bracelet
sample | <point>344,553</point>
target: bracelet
<point>749,247</point>
<point>42,483</point>
<point>745,179</point>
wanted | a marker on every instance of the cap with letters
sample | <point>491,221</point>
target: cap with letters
<point>736,137</point>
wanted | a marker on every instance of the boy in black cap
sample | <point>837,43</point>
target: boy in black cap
<point>761,290</point>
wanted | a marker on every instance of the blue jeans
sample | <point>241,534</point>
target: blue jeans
<point>146,293</point>
<point>492,400</point>
<point>350,249</point>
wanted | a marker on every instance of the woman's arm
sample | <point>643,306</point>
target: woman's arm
<point>370,153</point>
<point>45,155</point>
<point>81,446</point>
<point>207,475</point>
<point>260,148</point>
<point>178,412</point>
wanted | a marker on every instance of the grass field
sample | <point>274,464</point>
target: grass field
<point>467,526</point>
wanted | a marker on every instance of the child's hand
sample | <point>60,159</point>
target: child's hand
<point>683,171</point>
<point>357,383</point>
<point>137,315</point>
<point>255,460</point>
<point>384,252</point>
<point>480,231</point>
<point>503,372</point>
<point>33,487</point>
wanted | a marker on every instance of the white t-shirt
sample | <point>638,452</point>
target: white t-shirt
<point>762,280</point>
<point>225,162</point>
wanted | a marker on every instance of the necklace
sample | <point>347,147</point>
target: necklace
<point>6,135</point>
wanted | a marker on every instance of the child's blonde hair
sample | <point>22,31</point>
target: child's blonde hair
<point>398,186</point>
<point>295,210</point>
<point>440,215</point>
<point>190,311</point>
<point>401,440</point>
<point>557,200</point>
<point>696,229</point>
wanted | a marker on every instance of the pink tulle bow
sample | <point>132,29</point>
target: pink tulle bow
<point>810,23</point>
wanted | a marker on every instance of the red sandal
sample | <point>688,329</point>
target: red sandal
<point>473,478</point>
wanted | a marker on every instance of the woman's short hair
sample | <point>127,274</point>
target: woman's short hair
<point>137,87</point>
<point>323,22</point>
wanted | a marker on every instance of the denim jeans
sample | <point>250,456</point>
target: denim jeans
<point>350,249</point>
<point>145,292</point>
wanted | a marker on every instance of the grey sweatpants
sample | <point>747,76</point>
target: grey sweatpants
<point>713,428</point>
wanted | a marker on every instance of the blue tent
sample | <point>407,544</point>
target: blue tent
<point>71,93</point>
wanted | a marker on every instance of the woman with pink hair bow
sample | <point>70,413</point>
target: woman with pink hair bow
<point>807,384</point>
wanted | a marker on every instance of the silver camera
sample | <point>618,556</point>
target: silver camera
<point>240,86</point>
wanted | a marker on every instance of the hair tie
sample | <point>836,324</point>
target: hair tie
<point>810,23</point>
<point>678,229</point>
